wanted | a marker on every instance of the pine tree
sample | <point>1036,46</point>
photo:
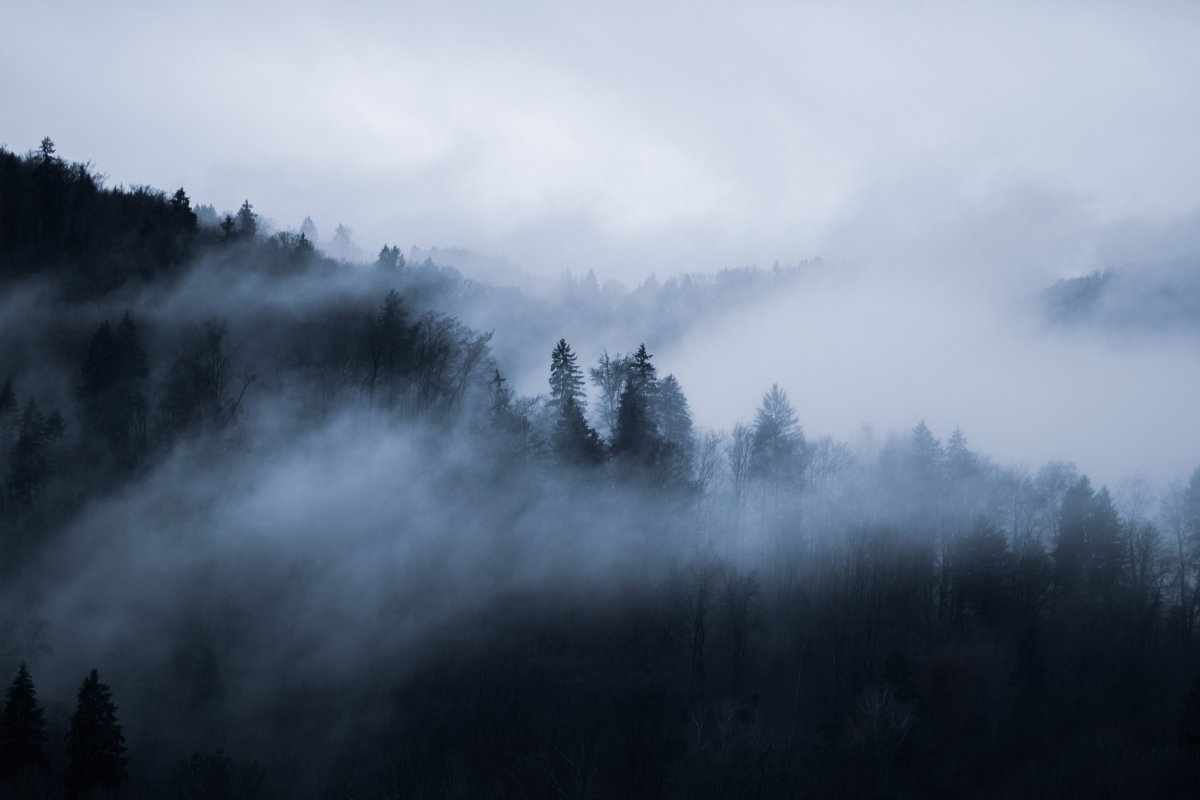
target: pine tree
<point>778,443</point>
<point>673,461</point>
<point>960,462</point>
<point>926,450</point>
<point>308,229</point>
<point>181,211</point>
<point>388,347</point>
<point>643,372</point>
<point>390,258</point>
<point>566,378</point>
<point>95,744</point>
<point>22,733</point>
<point>635,430</point>
<point>1089,554</point>
<point>1070,547</point>
<point>672,414</point>
<point>247,221</point>
<point>576,442</point>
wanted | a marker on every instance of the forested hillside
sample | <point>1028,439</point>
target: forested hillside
<point>276,525</point>
<point>1145,298</point>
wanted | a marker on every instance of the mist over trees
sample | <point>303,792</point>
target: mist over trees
<point>319,546</point>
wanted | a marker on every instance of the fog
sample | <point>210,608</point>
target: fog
<point>880,350</point>
<point>626,139</point>
<point>332,525</point>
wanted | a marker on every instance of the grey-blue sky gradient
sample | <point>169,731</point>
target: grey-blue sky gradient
<point>954,153</point>
<point>631,137</point>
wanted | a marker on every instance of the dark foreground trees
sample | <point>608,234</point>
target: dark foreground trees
<point>95,743</point>
<point>22,739</point>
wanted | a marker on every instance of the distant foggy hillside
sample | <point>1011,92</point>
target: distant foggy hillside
<point>1161,297</point>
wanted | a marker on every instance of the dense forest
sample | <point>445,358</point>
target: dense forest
<point>275,524</point>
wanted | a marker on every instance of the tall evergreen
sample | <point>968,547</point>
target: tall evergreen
<point>574,440</point>
<point>672,414</point>
<point>960,461</point>
<point>778,443</point>
<point>566,378</point>
<point>1088,553</point>
<point>22,734</point>
<point>247,221</point>
<point>95,744</point>
<point>637,431</point>
<point>388,345</point>
<point>390,258</point>
<point>926,451</point>
<point>643,372</point>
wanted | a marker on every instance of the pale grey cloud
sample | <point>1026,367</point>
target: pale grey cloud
<point>621,137</point>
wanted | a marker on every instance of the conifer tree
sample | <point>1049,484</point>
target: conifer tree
<point>181,211</point>
<point>643,372</point>
<point>672,414</point>
<point>387,343</point>
<point>778,444</point>
<point>22,734</point>
<point>566,378</point>
<point>308,229</point>
<point>390,258</point>
<point>927,450</point>
<point>95,744</point>
<point>247,221</point>
<point>960,462</point>
<point>574,440</point>
<point>635,430</point>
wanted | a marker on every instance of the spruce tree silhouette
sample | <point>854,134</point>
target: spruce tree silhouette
<point>636,431</point>
<point>22,734</point>
<point>95,744</point>
<point>566,378</point>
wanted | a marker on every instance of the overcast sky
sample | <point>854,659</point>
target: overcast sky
<point>634,136</point>
<point>935,147</point>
